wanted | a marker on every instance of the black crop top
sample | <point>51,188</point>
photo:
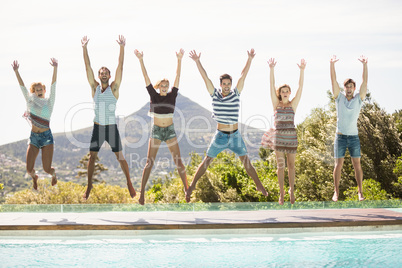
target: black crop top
<point>162,104</point>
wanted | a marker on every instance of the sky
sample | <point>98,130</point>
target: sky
<point>223,31</point>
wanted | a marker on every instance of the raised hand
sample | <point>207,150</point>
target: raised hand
<point>363,59</point>
<point>84,41</point>
<point>271,62</point>
<point>139,55</point>
<point>180,54</point>
<point>333,59</point>
<point>194,56</point>
<point>251,54</point>
<point>302,64</point>
<point>53,62</point>
<point>15,65</point>
<point>121,41</point>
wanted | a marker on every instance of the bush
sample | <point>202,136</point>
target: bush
<point>371,191</point>
<point>70,193</point>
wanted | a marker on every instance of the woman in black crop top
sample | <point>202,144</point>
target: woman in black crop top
<point>162,109</point>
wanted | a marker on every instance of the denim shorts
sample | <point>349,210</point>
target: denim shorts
<point>40,140</point>
<point>222,141</point>
<point>109,133</point>
<point>343,142</point>
<point>163,133</point>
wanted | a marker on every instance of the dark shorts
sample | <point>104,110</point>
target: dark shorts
<point>163,133</point>
<point>343,142</point>
<point>40,140</point>
<point>108,133</point>
<point>222,141</point>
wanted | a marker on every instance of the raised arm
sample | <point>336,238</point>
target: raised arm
<point>90,74</point>
<point>52,96</point>
<point>335,86</point>
<point>115,85</point>
<point>178,71</point>
<point>296,99</point>
<point>274,97</point>
<point>16,66</point>
<point>140,56</point>
<point>208,82</point>
<point>54,63</point>
<point>363,87</point>
<point>240,83</point>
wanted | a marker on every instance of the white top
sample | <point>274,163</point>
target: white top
<point>347,114</point>
<point>39,110</point>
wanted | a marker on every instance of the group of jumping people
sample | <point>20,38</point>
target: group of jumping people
<point>281,138</point>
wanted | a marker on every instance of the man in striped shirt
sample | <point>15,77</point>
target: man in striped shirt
<point>105,128</point>
<point>225,104</point>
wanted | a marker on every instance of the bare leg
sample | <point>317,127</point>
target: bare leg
<point>126,171</point>
<point>359,176</point>
<point>32,153</point>
<point>90,173</point>
<point>291,158</point>
<point>337,177</point>
<point>47,157</point>
<point>175,151</point>
<point>200,171</point>
<point>280,163</point>
<point>153,147</point>
<point>252,173</point>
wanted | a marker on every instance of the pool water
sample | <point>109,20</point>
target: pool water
<point>343,249</point>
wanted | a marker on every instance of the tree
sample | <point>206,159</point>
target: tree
<point>314,158</point>
<point>381,145</point>
<point>84,171</point>
<point>397,115</point>
<point>398,172</point>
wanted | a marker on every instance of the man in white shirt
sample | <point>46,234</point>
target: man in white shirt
<point>348,108</point>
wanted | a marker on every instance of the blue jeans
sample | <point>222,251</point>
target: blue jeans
<point>343,142</point>
<point>222,141</point>
<point>40,140</point>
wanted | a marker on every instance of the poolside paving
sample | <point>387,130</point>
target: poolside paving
<point>201,220</point>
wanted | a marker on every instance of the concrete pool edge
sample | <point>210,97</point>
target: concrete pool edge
<point>268,220</point>
<point>191,232</point>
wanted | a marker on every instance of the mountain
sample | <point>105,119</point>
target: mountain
<point>194,128</point>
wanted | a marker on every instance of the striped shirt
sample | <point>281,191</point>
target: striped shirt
<point>226,109</point>
<point>105,107</point>
<point>39,110</point>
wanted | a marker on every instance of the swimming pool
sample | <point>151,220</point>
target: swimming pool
<point>343,249</point>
